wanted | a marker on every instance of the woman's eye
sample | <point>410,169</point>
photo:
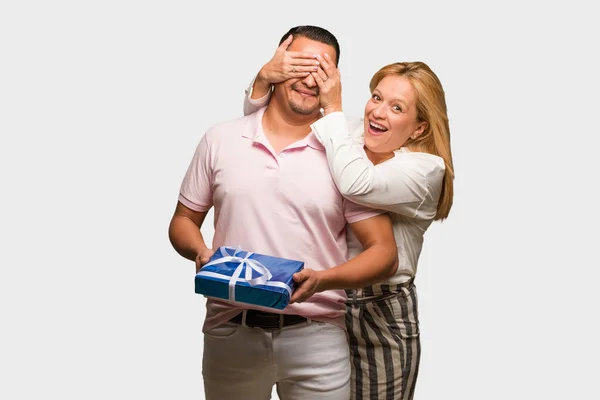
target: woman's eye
<point>375,97</point>
<point>397,108</point>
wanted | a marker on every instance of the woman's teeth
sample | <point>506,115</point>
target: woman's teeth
<point>377,127</point>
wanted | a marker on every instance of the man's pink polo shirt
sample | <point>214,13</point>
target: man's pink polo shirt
<point>284,205</point>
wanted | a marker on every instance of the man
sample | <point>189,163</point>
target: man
<point>267,176</point>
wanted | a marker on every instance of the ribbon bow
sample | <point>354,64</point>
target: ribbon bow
<point>264,273</point>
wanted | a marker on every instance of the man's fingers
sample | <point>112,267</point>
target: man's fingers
<point>296,296</point>
<point>307,284</point>
<point>300,294</point>
<point>300,277</point>
<point>203,258</point>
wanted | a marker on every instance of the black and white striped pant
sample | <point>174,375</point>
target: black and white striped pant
<point>383,333</point>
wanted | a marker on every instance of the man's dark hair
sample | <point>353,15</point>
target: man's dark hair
<point>317,34</point>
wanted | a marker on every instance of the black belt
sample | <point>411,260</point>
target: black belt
<point>266,320</point>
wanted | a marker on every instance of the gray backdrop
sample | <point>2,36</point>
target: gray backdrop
<point>103,103</point>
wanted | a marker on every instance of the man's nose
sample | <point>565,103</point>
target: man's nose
<point>309,81</point>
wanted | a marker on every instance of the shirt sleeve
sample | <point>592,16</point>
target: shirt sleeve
<point>253,105</point>
<point>408,184</point>
<point>355,212</point>
<point>196,188</point>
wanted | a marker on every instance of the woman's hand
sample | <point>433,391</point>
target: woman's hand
<point>330,85</point>
<point>287,65</point>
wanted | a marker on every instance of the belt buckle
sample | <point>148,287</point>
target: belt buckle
<point>267,321</point>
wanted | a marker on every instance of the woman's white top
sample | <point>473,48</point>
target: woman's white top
<point>407,185</point>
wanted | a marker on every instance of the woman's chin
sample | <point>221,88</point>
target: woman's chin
<point>371,143</point>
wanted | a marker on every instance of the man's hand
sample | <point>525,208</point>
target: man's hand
<point>203,257</point>
<point>308,283</point>
<point>330,85</point>
<point>287,64</point>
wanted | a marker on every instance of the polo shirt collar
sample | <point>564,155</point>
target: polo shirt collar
<point>257,134</point>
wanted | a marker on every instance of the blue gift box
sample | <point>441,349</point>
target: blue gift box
<point>246,277</point>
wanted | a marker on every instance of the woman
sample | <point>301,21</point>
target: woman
<point>397,159</point>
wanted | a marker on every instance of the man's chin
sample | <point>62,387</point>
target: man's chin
<point>303,109</point>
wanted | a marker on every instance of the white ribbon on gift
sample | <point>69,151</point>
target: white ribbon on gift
<point>262,279</point>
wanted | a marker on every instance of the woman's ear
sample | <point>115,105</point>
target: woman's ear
<point>419,130</point>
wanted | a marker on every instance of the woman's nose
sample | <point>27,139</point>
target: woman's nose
<point>379,111</point>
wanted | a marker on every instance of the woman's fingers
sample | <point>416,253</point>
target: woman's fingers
<point>322,74</point>
<point>302,55</point>
<point>286,43</point>
<point>302,68</point>
<point>329,89</point>
<point>327,66</point>
<point>319,80</point>
<point>303,62</point>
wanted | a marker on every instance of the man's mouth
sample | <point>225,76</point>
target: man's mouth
<point>306,92</point>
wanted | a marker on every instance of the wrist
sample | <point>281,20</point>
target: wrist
<point>198,250</point>
<point>324,281</point>
<point>331,109</point>
<point>260,88</point>
<point>263,76</point>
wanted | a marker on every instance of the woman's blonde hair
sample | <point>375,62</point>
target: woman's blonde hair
<point>431,108</point>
